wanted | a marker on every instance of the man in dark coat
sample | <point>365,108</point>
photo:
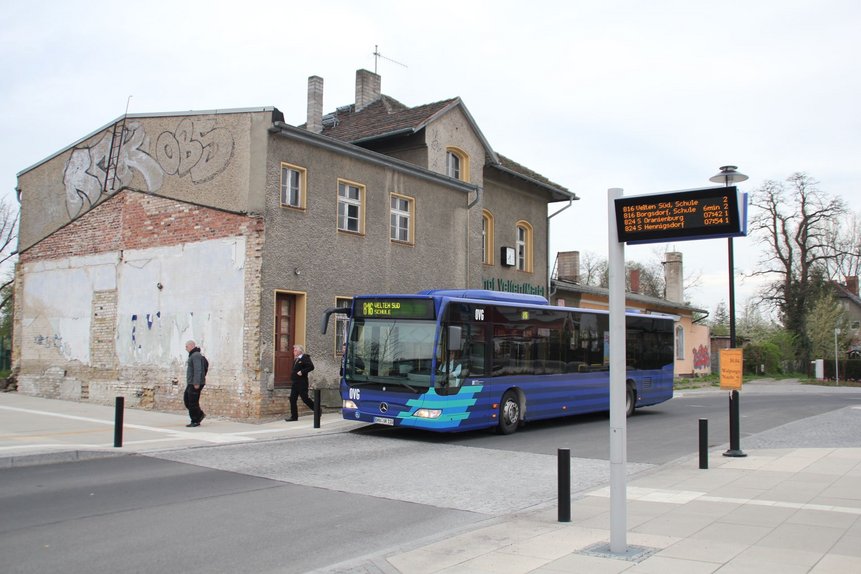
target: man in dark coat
<point>302,365</point>
<point>195,379</point>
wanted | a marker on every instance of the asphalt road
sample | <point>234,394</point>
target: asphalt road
<point>301,504</point>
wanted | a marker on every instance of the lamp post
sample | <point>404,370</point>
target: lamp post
<point>729,176</point>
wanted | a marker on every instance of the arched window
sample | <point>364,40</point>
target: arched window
<point>486,237</point>
<point>456,163</point>
<point>523,247</point>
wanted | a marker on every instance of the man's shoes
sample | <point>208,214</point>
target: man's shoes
<point>292,419</point>
<point>202,416</point>
<point>193,425</point>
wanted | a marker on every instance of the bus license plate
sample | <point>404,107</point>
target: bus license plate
<point>384,421</point>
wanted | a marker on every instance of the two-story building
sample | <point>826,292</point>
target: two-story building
<point>237,230</point>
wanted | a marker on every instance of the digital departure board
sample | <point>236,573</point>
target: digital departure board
<point>395,308</point>
<point>679,215</point>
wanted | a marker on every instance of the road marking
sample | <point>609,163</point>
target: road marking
<point>685,496</point>
<point>218,438</point>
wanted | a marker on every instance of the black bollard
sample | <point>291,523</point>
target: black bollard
<point>317,408</point>
<point>118,421</point>
<point>704,443</point>
<point>564,480</point>
<point>734,427</point>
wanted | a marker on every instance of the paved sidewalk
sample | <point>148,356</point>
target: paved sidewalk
<point>37,431</point>
<point>774,511</point>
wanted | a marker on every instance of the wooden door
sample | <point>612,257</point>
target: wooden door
<point>285,335</point>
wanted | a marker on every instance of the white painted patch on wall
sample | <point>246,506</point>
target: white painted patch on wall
<point>202,297</point>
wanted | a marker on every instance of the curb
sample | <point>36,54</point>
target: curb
<point>56,457</point>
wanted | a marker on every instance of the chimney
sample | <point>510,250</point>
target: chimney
<point>367,88</point>
<point>314,122</point>
<point>852,284</point>
<point>568,266</point>
<point>635,281</point>
<point>673,277</point>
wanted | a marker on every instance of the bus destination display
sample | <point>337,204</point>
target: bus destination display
<point>694,214</point>
<point>397,308</point>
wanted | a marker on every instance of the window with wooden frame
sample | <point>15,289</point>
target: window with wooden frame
<point>523,247</point>
<point>342,322</point>
<point>456,163</point>
<point>293,184</point>
<point>486,237</point>
<point>351,206</point>
<point>402,219</point>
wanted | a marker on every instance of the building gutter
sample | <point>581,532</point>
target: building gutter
<point>547,248</point>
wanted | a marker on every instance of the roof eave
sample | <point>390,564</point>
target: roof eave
<point>559,193</point>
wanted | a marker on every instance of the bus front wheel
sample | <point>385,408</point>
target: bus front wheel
<point>509,413</point>
<point>630,400</point>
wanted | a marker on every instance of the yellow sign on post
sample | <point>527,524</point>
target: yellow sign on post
<point>731,367</point>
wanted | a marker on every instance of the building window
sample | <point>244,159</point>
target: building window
<point>486,237</point>
<point>524,247</point>
<point>680,343</point>
<point>342,322</point>
<point>351,206</point>
<point>456,164</point>
<point>402,218</point>
<point>292,186</point>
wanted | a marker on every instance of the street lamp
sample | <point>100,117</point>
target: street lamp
<point>729,176</point>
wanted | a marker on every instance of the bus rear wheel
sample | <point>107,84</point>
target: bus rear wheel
<point>630,400</point>
<point>509,413</point>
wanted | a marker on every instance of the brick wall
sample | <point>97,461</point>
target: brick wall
<point>133,220</point>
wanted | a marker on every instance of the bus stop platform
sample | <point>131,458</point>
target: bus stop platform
<point>775,511</point>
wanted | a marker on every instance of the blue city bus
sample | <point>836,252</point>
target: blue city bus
<point>457,360</point>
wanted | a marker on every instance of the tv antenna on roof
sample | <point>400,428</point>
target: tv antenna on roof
<point>377,57</point>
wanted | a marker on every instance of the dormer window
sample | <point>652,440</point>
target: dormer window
<point>456,164</point>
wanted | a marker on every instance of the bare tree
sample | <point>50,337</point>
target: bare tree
<point>593,267</point>
<point>794,223</point>
<point>845,235</point>
<point>8,243</point>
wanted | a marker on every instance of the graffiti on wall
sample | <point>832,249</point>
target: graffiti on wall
<point>702,357</point>
<point>53,342</point>
<point>196,148</point>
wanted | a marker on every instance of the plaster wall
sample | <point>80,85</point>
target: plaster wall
<point>202,298</point>
<point>199,158</point>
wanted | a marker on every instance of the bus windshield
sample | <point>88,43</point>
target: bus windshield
<point>390,351</point>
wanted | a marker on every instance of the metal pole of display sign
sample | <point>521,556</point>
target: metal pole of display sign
<point>618,421</point>
<point>729,176</point>
<point>836,356</point>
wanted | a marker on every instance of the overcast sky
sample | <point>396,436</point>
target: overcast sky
<point>648,96</point>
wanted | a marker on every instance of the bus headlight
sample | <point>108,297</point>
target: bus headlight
<point>428,413</point>
<point>350,405</point>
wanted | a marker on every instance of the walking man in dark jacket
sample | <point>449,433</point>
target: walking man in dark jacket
<point>195,379</point>
<point>302,365</point>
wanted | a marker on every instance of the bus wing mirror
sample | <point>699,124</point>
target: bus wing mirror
<point>331,311</point>
<point>454,337</point>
